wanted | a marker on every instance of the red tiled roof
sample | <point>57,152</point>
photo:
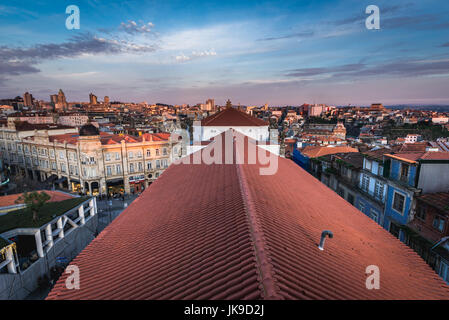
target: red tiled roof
<point>416,156</point>
<point>317,151</point>
<point>107,138</point>
<point>223,231</point>
<point>411,157</point>
<point>414,147</point>
<point>232,117</point>
<point>26,126</point>
<point>439,200</point>
<point>438,155</point>
<point>55,196</point>
<point>377,154</point>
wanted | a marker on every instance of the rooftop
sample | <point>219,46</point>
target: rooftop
<point>439,200</point>
<point>108,138</point>
<point>26,126</point>
<point>23,218</point>
<point>414,157</point>
<point>318,151</point>
<point>232,117</point>
<point>223,231</point>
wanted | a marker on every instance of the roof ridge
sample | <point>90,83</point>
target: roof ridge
<point>265,269</point>
<point>215,116</point>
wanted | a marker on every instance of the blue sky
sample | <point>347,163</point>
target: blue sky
<point>253,52</point>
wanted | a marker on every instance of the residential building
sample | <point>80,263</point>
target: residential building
<point>73,119</point>
<point>411,174</point>
<point>430,231</point>
<point>373,185</point>
<point>340,172</point>
<point>412,138</point>
<point>303,156</point>
<point>90,161</point>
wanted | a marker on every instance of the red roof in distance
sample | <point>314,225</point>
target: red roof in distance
<point>232,117</point>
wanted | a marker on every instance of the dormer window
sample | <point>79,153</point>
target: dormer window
<point>404,172</point>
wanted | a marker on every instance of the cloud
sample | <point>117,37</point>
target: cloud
<point>308,72</point>
<point>22,60</point>
<point>195,54</point>
<point>303,34</point>
<point>133,28</point>
<point>445,45</point>
<point>399,68</point>
<point>16,68</point>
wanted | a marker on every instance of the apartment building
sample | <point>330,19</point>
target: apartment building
<point>73,119</point>
<point>89,161</point>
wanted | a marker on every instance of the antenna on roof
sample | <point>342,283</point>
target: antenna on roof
<point>323,238</point>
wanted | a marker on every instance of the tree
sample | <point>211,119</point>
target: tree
<point>34,201</point>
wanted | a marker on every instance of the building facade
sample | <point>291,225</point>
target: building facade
<point>91,162</point>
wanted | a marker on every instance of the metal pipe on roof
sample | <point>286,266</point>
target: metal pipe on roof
<point>323,238</point>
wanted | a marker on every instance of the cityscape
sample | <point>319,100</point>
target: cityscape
<point>140,160</point>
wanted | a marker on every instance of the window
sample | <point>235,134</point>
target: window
<point>139,154</point>
<point>365,182</point>
<point>164,151</point>
<point>438,223</point>
<point>368,164</point>
<point>158,164</point>
<point>444,271</point>
<point>398,202</point>
<point>404,172</point>
<point>350,198</point>
<point>109,170</point>
<point>157,152</point>
<point>421,212</point>
<point>131,167</point>
<point>63,167</point>
<point>148,153</point>
<point>118,169</point>
<point>130,155</point>
<point>341,192</point>
<point>374,215</point>
<point>149,165</point>
<point>140,166</point>
<point>61,155</point>
<point>165,163</point>
<point>379,190</point>
<point>117,156</point>
<point>395,230</point>
<point>108,156</point>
